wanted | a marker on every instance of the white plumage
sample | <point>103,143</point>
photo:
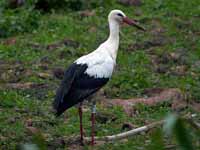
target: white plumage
<point>100,64</point>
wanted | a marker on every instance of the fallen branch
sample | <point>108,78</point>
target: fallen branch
<point>132,132</point>
<point>192,122</point>
<point>127,133</point>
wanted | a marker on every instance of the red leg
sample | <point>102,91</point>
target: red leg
<point>81,125</point>
<point>93,123</point>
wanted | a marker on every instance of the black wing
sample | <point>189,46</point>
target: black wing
<point>75,87</point>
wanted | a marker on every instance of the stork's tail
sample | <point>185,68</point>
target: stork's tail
<point>58,102</point>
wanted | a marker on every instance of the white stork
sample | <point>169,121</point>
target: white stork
<point>89,73</point>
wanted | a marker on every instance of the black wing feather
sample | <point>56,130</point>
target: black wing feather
<point>66,84</point>
<point>75,87</point>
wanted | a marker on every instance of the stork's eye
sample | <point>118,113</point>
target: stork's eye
<point>119,14</point>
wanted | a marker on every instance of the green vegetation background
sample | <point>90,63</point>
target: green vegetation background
<point>32,50</point>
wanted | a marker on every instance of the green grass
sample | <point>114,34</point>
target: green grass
<point>175,23</point>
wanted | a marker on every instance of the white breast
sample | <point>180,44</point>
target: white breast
<point>100,65</point>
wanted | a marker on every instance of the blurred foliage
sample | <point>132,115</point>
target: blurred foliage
<point>47,5</point>
<point>39,140</point>
<point>26,17</point>
<point>39,143</point>
<point>177,126</point>
<point>157,140</point>
<point>20,20</point>
<point>29,147</point>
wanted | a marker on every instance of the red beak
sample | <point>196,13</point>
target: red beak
<point>133,23</point>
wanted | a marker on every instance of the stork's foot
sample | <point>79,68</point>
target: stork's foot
<point>92,143</point>
<point>82,135</point>
<point>81,142</point>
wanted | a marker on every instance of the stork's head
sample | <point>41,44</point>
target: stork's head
<point>119,17</point>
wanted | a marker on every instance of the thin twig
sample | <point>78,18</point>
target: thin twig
<point>127,133</point>
<point>132,132</point>
<point>193,123</point>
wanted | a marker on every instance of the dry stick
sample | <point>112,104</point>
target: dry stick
<point>195,124</point>
<point>126,134</point>
<point>132,132</point>
<point>189,119</point>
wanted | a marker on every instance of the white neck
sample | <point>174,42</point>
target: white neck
<point>114,31</point>
<point>112,43</point>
